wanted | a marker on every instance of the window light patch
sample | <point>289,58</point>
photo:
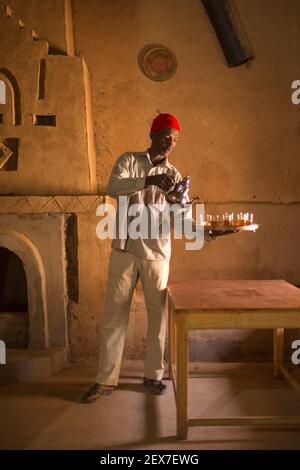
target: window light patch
<point>2,92</point>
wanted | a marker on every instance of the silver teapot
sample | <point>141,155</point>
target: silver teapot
<point>179,193</point>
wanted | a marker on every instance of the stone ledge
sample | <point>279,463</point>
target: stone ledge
<point>25,365</point>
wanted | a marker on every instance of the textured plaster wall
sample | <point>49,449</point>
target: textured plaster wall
<point>239,143</point>
<point>51,160</point>
<point>84,316</point>
<point>51,252</point>
<point>239,140</point>
<point>240,132</point>
<point>45,17</point>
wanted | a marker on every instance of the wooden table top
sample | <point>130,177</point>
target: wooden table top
<point>234,295</point>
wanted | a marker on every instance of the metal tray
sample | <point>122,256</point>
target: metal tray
<point>229,229</point>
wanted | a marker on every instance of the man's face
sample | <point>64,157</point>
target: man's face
<point>164,141</point>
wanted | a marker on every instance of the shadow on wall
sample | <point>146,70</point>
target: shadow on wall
<point>228,346</point>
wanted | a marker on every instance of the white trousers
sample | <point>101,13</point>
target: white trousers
<point>124,271</point>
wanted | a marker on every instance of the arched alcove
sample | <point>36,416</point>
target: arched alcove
<point>14,320</point>
<point>14,100</point>
<point>19,244</point>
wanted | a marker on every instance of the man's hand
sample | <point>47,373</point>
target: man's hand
<point>209,237</point>
<point>164,181</point>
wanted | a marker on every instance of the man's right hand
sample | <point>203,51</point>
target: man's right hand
<point>164,181</point>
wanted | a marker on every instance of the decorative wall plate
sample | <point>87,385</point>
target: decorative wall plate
<point>157,62</point>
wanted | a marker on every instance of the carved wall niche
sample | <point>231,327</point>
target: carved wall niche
<point>19,244</point>
<point>14,322</point>
<point>12,109</point>
<point>10,115</point>
<point>9,154</point>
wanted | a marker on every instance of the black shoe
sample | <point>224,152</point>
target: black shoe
<point>95,392</point>
<point>155,386</point>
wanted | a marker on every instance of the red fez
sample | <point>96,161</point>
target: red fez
<point>165,121</point>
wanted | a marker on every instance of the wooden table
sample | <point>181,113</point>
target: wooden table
<point>228,304</point>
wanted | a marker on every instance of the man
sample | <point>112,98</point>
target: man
<point>144,177</point>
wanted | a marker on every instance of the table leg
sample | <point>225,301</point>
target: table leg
<point>171,338</point>
<point>278,344</point>
<point>182,377</point>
